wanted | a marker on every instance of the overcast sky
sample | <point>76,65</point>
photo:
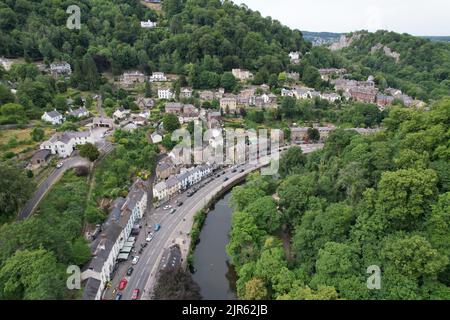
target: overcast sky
<point>417,17</point>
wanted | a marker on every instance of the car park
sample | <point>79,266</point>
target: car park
<point>135,260</point>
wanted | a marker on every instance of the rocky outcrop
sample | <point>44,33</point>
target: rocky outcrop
<point>344,42</point>
<point>387,51</point>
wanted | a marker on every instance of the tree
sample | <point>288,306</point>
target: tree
<point>412,256</point>
<point>37,134</point>
<point>31,275</point>
<point>404,196</point>
<point>15,189</point>
<point>89,151</point>
<point>81,252</point>
<point>265,212</point>
<point>148,90</point>
<point>228,81</point>
<point>171,122</point>
<point>176,285</point>
<point>313,135</point>
<point>82,171</point>
<point>5,95</point>
<point>255,289</point>
<point>291,161</point>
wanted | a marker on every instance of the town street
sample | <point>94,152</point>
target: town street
<point>175,228</point>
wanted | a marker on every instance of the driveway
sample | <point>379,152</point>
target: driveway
<point>53,177</point>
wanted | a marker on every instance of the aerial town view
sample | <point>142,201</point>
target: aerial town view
<point>202,150</point>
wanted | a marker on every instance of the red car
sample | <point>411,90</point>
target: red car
<point>135,294</point>
<point>123,284</point>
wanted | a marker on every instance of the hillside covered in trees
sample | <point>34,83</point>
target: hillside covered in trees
<point>422,69</point>
<point>206,33</point>
<point>378,200</point>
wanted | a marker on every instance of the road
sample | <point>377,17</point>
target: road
<point>144,274</point>
<point>43,188</point>
<point>69,163</point>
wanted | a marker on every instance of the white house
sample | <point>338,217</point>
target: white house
<point>121,113</point>
<point>60,68</point>
<point>144,114</point>
<point>79,113</point>
<point>331,97</point>
<point>54,117</point>
<point>242,74</point>
<point>156,137</point>
<point>185,93</point>
<point>158,77</point>
<point>160,190</point>
<point>295,57</point>
<point>165,94</point>
<point>64,143</point>
<point>140,121</point>
<point>6,63</point>
<point>287,93</point>
<point>302,93</point>
<point>148,24</point>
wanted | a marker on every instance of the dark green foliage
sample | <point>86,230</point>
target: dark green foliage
<point>176,285</point>
<point>15,189</point>
<point>369,200</point>
<point>89,151</point>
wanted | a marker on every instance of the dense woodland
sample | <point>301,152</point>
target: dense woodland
<point>381,199</point>
<point>423,70</point>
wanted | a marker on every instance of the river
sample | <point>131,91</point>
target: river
<point>213,271</point>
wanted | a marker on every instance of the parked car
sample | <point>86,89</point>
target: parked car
<point>119,296</point>
<point>242,170</point>
<point>157,227</point>
<point>226,179</point>
<point>233,171</point>
<point>130,271</point>
<point>167,207</point>
<point>172,211</point>
<point>59,165</point>
<point>135,295</point>
<point>123,284</point>
<point>135,260</point>
<point>149,237</point>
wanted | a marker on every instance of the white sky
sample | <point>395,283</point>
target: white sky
<point>417,17</point>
